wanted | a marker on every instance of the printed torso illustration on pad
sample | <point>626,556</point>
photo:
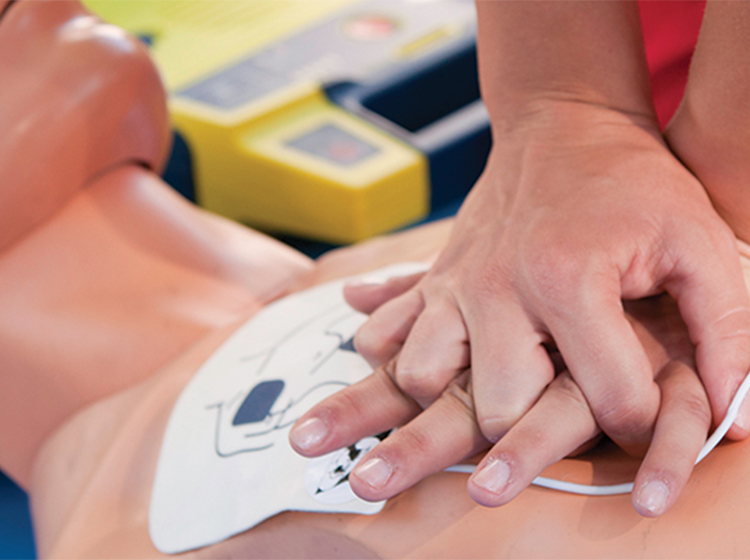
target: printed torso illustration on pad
<point>226,464</point>
<point>318,353</point>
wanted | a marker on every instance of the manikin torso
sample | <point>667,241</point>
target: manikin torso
<point>113,291</point>
<point>91,481</point>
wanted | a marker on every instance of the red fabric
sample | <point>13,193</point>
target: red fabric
<point>670,31</point>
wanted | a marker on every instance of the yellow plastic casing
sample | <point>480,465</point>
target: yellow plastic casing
<point>243,165</point>
<point>192,38</point>
<point>245,169</point>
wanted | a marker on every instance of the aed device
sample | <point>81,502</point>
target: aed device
<point>333,120</point>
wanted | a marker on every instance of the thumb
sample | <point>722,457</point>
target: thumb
<point>710,290</point>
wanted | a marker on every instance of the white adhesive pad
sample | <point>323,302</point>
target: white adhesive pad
<point>225,462</point>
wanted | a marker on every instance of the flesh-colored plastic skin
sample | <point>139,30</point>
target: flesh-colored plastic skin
<point>114,446</point>
<point>78,96</point>
<point>104,272</point>
<point>112,298</point>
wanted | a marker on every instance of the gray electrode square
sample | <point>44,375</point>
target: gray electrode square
<point>333,144</point>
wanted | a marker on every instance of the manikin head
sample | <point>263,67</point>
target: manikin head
<point>78,96</point>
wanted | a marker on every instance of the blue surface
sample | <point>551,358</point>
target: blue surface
<point>16,537</point>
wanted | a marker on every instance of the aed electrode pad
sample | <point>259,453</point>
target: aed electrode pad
<point>226,463</point>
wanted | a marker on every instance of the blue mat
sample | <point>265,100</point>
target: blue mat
<point>16,536</point>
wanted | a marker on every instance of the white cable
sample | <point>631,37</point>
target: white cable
<point>627,487</point>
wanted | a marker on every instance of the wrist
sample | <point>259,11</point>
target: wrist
<point>714,143</point>
<point>569,121</point>
<point>569,136</point>
<point>565,107</point>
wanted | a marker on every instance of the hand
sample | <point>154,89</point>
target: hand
<point>579,208</point>
<point>561,422</point>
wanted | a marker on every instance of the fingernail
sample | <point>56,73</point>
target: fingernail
<point>493,477</point>
<point>366,281</point>
<point>743,417</point>
<point>653,497</point>
<point>374,472</point>
<point>309,434</point>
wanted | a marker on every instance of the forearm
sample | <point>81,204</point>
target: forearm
<point>716,97</point>
<point>711,130</point>
<point>534,52</point>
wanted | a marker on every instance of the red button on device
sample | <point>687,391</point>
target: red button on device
<point>370,27</point>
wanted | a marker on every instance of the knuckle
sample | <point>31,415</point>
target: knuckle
<point>624,418</point>
<point>370,343</point>
<point>389,369</point>
<point>697,408</point>
<point>340,406</point>
<point>459,398</point>
<point>411,442</point>
<point>694,405</point>
<point>490,281</point>
<point>418,383</point>
<point>569,391</point>
<point>556,274</point>
<point>457,404</point>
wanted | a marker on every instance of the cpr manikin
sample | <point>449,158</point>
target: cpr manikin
<point>114,292</point>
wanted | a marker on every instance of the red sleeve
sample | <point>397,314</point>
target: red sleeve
<point>670,31</point>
